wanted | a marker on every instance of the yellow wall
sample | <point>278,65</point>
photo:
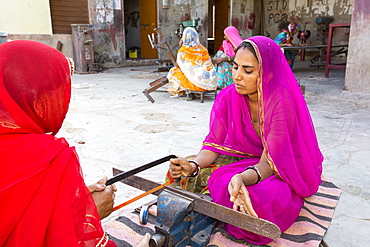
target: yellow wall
<point>25,17</point>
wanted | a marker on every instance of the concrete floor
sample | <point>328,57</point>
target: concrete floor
<point>112,124</point>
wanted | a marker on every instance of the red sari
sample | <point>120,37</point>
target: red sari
<point>44,200</point>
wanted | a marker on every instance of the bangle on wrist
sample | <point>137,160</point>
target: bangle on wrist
<point>197,169</point>
<point>257,172</point>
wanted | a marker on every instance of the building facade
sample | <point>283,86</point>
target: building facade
<point>121,28</point>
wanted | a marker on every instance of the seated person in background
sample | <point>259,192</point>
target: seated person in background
<point>261,155</point>
<point>196,71</point>
<point>225,55</point>
<point>44,200</point>
<point>285,38</point>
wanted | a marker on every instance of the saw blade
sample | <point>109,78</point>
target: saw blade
<point>129,173</point>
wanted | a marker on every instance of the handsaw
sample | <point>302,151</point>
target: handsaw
<point>206,207</point>
<point>127,174</point>
<point>123,175</point>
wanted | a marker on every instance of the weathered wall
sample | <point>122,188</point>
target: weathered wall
<point>178,11</point>
<point>245,17</point>
<point>25,17</point>
<point>302,11</point>
<point>358,62</point>
<point>250,17</point>
<point>106,18</point>
<point>199,10</point>
<point>48,39</point>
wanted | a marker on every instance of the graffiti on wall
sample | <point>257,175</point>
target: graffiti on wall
<point>332,7</point>
<point>277,11</point>
<point>343,7</point>
<point>244,17</point>
<point>250,21</point>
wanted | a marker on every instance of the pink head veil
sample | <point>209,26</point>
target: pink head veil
<point>233,35</point>
<point>286,128</point>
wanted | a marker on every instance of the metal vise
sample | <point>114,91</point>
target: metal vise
<point>185,218</point>
<point>178,224</point>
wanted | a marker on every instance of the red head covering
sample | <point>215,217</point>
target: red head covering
<point>44,201</point>
<point>27,103</point>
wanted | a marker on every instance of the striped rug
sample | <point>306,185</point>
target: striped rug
<point>308,230</point>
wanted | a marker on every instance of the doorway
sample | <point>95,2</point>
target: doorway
<point>140,21</point>
<point>218,20</point>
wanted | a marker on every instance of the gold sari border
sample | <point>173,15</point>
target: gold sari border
<point>229,150</point>
<point>9,125</point>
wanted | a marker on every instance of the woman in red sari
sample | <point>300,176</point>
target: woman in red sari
<point>262,140</point>
<point>44,200</point>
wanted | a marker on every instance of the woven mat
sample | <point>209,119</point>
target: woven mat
<point>308,230</point>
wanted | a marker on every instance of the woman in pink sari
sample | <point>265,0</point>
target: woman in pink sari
<point>262,126</point>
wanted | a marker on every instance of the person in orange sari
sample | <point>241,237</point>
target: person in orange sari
<point>195,69</point>
<point>44,200</point>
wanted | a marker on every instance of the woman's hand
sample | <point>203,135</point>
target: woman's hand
<point>239,195</point>
<point>218,60</point>
<point>103,196</point>
<point>181,167</point>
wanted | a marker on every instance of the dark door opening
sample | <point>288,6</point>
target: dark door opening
<point>218,20</point>
<point>140,21</point>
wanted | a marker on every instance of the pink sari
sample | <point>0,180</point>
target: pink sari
<point>286,132</point>
<point>233,35</point>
